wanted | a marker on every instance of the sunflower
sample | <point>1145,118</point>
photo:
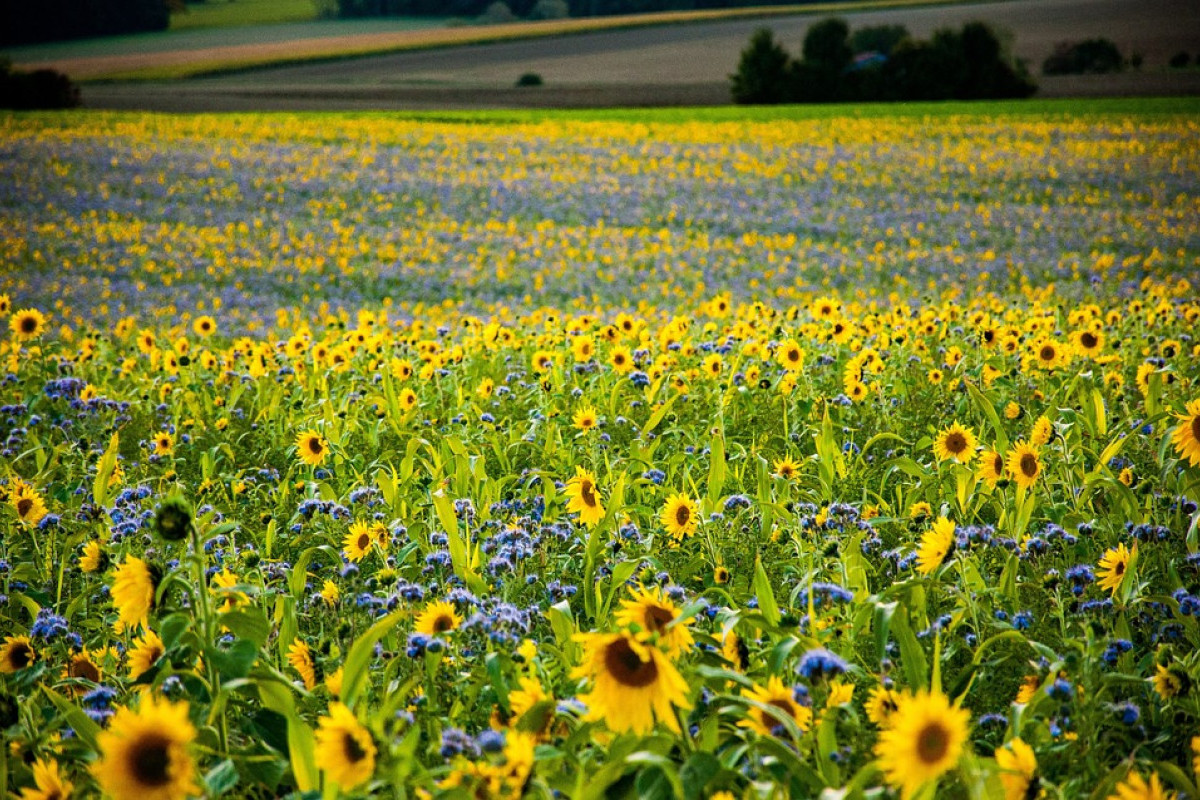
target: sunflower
<point>1024,464</point>
<point>30,506</point>
<point>882,705</point>
<point>1018,766</point>
<point>408,399</point>
<point>584,497</point>
<point>1088,342</point>
<point>780,698</point>
<point>26,324</point>
<point>133,588</point>
<point>1186,436</point>
<point>49,784</point>
<point>653,612</point>
<point>735,651</point>
<point>1043,429</point>
<point>345,749</point>
<point>720,575</point>
<point>1134,787</point>
<point>437,618</point>
<point>632,683</point>
<point>936,545</point>
<point>1012,410</point>
<point>163,444</point>
<point>790,355</point>
<point>16,653</point>
<point>144,754</point>
<point>1028,690</point>
<point>145,653</point>
<point>82,666</point>
<point>621,360</point>
<point>300,658</point>
<point>1049,354</point>
<point>924,742</point>
<point>93,559</point>
<point>955,442</point>
<point>1171,681</point>
<point>543,361</point>
<point>585,418</point>
<point>679,516</point>
<point>204,326</point>
<point>583,348</point>
<point>357,542</point>
<point>787,468</point>
<point>712,365</point>
<point>1113,566</point>
<point>312,447</point>
<point>991,467</point>
<point>856,390</point>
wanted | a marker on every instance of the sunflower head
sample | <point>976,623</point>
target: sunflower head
<point>312,447</point>
<point>655,615</point>
<point>439,617</point>
<point>16,654</point>
<point>679,516</point>
<point>633,682</point>
<point>145,753</point>
<point>955,442</point>
<point>345,749</point>
<point>924,742</point>
<point>26,324</point>
<point>173,519</point>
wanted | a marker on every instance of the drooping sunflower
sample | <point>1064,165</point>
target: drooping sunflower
<point>790,355</point>
<point>936,545</point>
<point>49,783</point>
<point>438,617</point>
<point>312,447</point>
<point>779,697</point>
<point>955,442</point>
<point>584,497</point>
<point>679,516</point>
<point>1171,681</point>
<point>345,749</point>
<point>93,559</point>
<point>585,418</point>
<point>1018,766</point>
<point>1186,435</point>
<point>133,590</point>
<point>358,541</point>
<point>924,742</point>
<point>632,683</point>
<point>16,653</point>
<point>144,753</point>
<point>30,506</point>
<point>1113,566</point>
<point>299,656</point>
<point>882,704</point>
<point>1024,464</point>
<point>1135,787</point>
<point>991,467</point>
<point>26,324</point>
<point>652,611</point>
<point>145,653</point>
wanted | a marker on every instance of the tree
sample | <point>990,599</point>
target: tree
<point>762,73</point>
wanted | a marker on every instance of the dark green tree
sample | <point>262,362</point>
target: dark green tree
<point>762,73</point>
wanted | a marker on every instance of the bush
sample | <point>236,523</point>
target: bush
<point>827,44</point>
<point>497,13</point>
<point>43,88</point>
<point>878,39</point>
<point>530,79</point>
<point>550,9</point>
<point>762,73</point>
<point>29,21</point>
<point>1090,56</point>
<point>1179,60</point>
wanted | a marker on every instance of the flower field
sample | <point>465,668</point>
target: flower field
<point>601,456</point>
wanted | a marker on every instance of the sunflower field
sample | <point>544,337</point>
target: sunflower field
<point>699,455</point>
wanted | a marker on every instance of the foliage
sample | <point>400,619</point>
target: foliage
<point>1088,56</point>
<point>761,76</point>
<point>319,405</point>
<point>43,88</point>
<point>530,79</point>
<point>23,22</point>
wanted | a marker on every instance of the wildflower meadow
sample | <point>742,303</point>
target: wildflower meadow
<point>731,454</point>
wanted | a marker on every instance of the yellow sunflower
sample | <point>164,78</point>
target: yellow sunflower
<point>621,360</point>
<point>652,611</point>
<point>585,418</point>
<point>779,697</point>
<point>882,705</point>
<point>632,683</point>
<point>163,444</point>
<point>358,541</point>
<point>787,468</point>
<point>543,361</point>
<point>1049,354</point>
<point>679,516</point>
<point>93,559</point>
<point>1088,343</point>
<point>1024,464</point>
<point>49,784</point>
<point>82,666</point>
<point>924,742</point>
<point>312,447</point>
<point>26,324</point>
<point>1135,787</point>
<point>1043,429</point>
<point>16,653</point>
<point>204,326</point>
<point>991,467</point>
<point>955,442</point>
<point>1018,768</point>
<point>29,505</point>
<point>1171,681</point>
<point>133,590</point>
<point>438,617</point>
<point>145,653</point>
<point>936,544</point>
<point>345,749</point>
<point>735,651</point>
<point>300,658</point>
<point>585,497</point>
<point>1186,435</point>
<point>1113,566</point>
<point>790,355</point>
<point>144,754</point>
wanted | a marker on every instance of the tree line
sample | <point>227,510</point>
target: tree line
<point>31,21</point>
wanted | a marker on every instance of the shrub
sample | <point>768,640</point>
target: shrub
<point>827,44</point>
<point>1089,56</point>
<point>1179,60</point>
<point>530,79</point>
<point>550,9</point>
<point>878,39</point>
<point>497,13</point>
<point>43,88</point>
<point>762,73</point>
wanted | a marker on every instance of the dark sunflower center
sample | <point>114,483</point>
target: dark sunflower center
<point>1047,353</point>
<point>793,355</point>
<point>1088,339</point>
<point>658,618</point>
<point>314,446</point>
<point>84,669</point>
<point>932,743</point>
<point>989,336</point>
<point>619,359</point>
<point>956,443</point>
<point>998,463</point>
<point>354,751</point>
<point>1196,428</point>
<point>1029,465</point>
<point>24,506</point>
<point>682,515</point>
<point>443,623</point>
<point>21,655</point>
<point>587,494</point>
<point>786,471</point>
<point>783,705</point>
<point>1119,568</point>
<point>364,541</point>
<point>627,667</point>
<point>150,760</point>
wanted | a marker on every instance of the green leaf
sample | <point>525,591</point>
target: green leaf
<point>249,625</point>
<point>658,415</point>
<point>302,744</point>
<point>221,778</point>
<point>354,669</point>
<point>766,595</point>
<point>696,772</point>
<point>716,468</point>
<point>912,656</point>
<point>654,783</point>
<point>985,405</point>
<point>104,471</point>
<point>236,661</point>
<point>81,723</point>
